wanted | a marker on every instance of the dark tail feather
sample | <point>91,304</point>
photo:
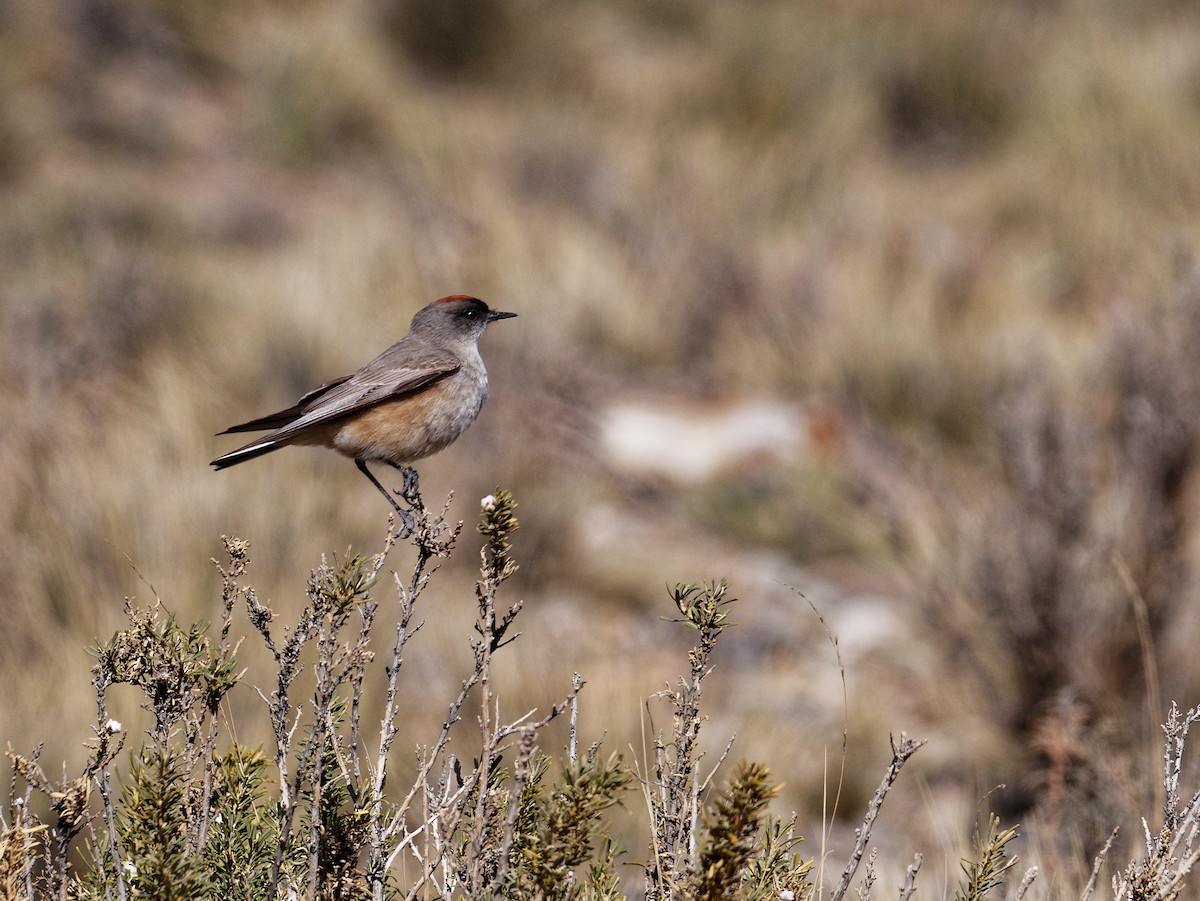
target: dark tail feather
<point>285,417</point>
<point>274,421</point>
<point>249,452</point>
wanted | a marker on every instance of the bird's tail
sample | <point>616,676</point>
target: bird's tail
<point>249,452</point>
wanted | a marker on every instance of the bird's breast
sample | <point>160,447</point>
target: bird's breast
<point>416,425</point>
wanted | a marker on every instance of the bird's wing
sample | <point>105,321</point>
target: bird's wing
<point>291,414</point>
<point>378,381</point>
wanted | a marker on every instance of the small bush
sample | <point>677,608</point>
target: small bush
<point>199,815</point>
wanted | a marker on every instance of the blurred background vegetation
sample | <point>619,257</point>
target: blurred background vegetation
<point>894,303</point>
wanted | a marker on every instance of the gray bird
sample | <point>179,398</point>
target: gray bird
<point>411,401</point>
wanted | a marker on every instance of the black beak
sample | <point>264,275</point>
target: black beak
<point>493,315</point>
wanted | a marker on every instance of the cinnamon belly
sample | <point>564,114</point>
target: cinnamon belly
<point>405,429</point>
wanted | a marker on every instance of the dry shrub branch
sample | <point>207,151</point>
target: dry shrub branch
<point>199,815</point>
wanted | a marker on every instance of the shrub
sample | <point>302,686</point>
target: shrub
<point>200,815</point>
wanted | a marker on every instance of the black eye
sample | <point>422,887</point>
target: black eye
<point>472,314</point>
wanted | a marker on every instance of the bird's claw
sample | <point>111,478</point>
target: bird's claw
<point>408,493</point>
<point>407,523</point>
<point>411,488</point>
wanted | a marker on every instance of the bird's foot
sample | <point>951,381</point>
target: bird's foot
<point>407,523</point>
<point>411,490</point>
<point>409,493</point>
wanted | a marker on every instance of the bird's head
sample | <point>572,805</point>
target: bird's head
<point>456,318</point>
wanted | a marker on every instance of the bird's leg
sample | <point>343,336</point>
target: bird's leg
<point>406,519</point>
<point>411,489</point>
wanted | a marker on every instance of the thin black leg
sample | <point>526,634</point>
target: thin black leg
<point>406,519</point>
<point>412,483</point>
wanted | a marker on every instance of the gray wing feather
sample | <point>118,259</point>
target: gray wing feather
<point>285,417</point>
<point>376,382</point>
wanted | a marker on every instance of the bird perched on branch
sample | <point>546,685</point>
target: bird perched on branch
<point>411,401</point>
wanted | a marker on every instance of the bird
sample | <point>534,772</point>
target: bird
<point>412,400</point>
